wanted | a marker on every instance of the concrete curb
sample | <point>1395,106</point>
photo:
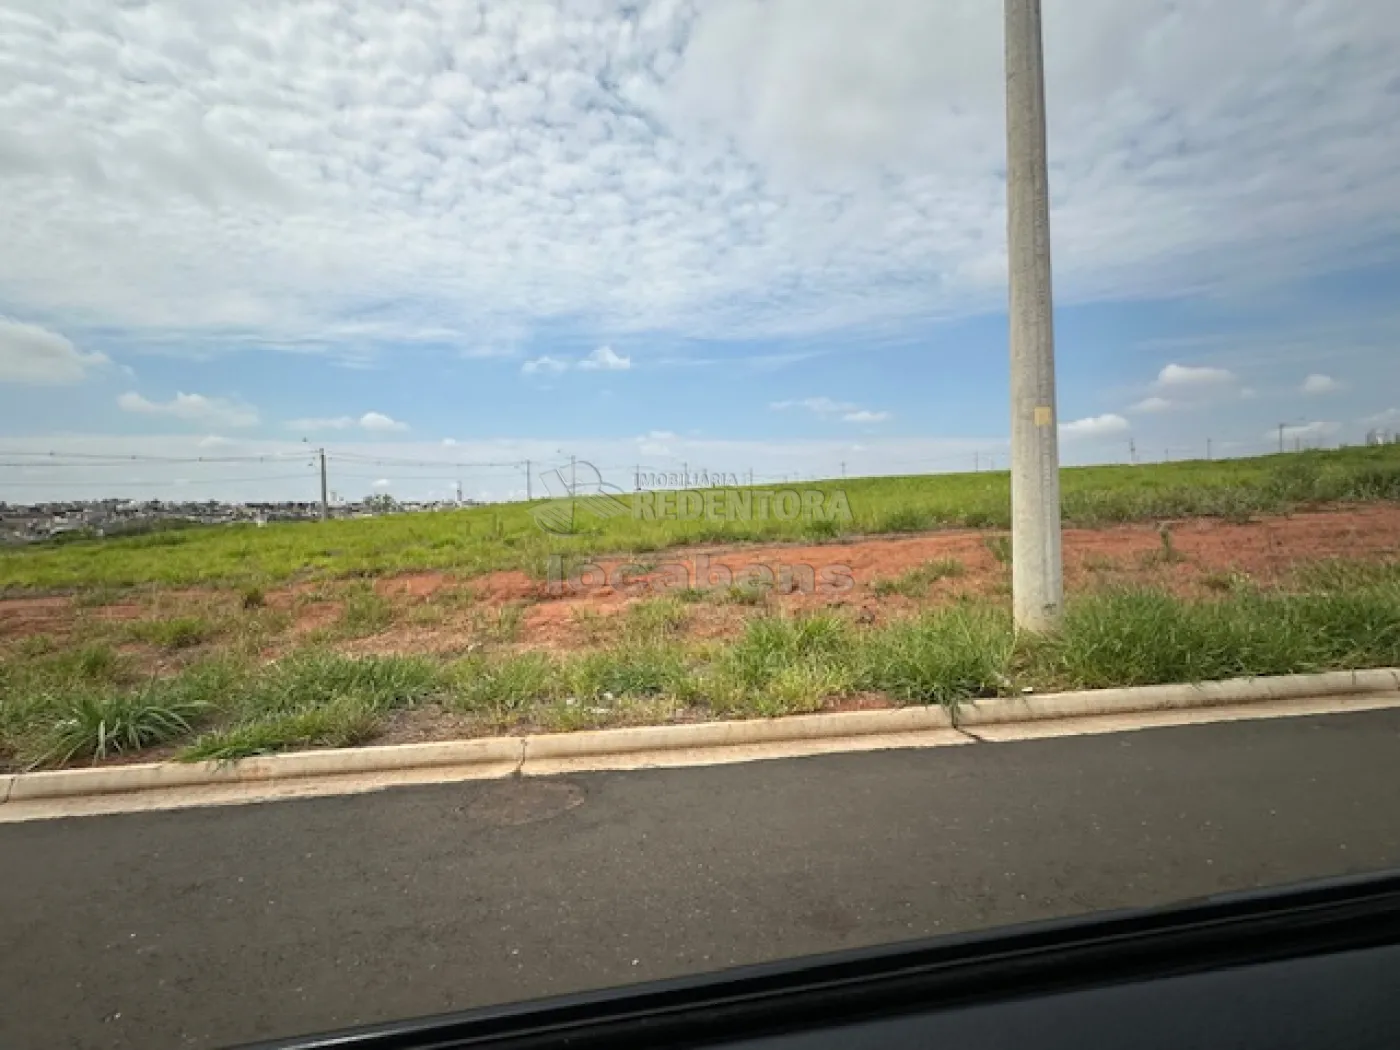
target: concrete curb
<point>510,754</point>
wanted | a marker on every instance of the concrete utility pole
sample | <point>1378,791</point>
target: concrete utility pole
<point>1280,435</point>
<point>325,508</point>
<point>1208,449</point>
<point>1037,576</point>
<point>528,492</point>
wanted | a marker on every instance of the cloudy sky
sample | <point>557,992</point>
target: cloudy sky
<point>739,234</point>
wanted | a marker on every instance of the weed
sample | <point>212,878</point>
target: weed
<point>427,614</point>
<point>691,595</point>
<point>906,519</point>
<point>500,625</point>
<point>1000,548</point>
<point>252,598</point>
<point>506,683</point>
<point>96,724</point>
<point>365,612</point>
<point>743,594</point>
<point>939,658</point>
<point>1098,563</point>
<point>1166,553</point>
<point>819,529</point>
<point>1226,582</point>
<point>916,582</point>
<point>175,632</point>
<point>342,723</point>
<point>657,618</point>
<point>99,596</point>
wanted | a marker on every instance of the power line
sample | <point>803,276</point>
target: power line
<point>173,483</point>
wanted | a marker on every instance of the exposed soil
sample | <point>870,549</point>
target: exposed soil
<point>431,614</point>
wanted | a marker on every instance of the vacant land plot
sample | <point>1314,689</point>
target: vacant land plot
<point>473,541</point>
<point>657,630</point>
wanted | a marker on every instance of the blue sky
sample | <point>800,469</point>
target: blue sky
<point>744,234</point>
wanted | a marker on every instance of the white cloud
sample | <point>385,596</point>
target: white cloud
<point>383,483</point>
<point>828,408</point>
<point>821,406</point>
<point>1153,404</point>
<point>1390,417</point>
<point>660,435</point>
<point>202,175</point>
<point>1321,384</point>
<point>449,442</point>
<point>192,408</point>
<point>30,354</point>
<point>322,423</point>
<point>379,423</point>
<point>1095,427</point>
<point>375,422</point>
<point>545,365</point>
<point>1191,378</point>
<point>606,358</point>
<point>214,441</point>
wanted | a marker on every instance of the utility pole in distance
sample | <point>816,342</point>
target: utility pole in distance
<point>528,493</point>
<point>325,506</point>
<point>1280,435</point>
<point>1037,575</point>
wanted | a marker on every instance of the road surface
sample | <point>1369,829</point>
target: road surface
<point>201,928</point>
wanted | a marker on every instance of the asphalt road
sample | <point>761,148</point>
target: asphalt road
<point>217,926</point>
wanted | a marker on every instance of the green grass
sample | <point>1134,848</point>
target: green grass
<point>365,612</point>
<point>477,540</point>
<point>69,705</point>
<point>175,632</point>
<point>916,582</point>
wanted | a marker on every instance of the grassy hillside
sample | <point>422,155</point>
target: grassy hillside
<point>476,540</point>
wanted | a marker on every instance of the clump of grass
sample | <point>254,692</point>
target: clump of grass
<point>252,597</point>
<point>999,547</point>
<point>942,658</point>
<point>1341,574</point>
<point>365,612</point>
<point>502,684</point>
<point>1226,582</point>
<point>499,625</point>
<point>759,665</point>
<point>344,722</point>
<point>96,662</point>
<point>691,595</point>
<point>658,618</point>
<point>742,594</point>
<point>173,632</point>
<point>315,678</point>
<point>819,529</point>
<point>95,724</point>
<point>94,597</point>
<point>1166,553</point>
<point>906,519</point>
<point>633,670</point>
<point>427,615</point>
<point>916,582</point>
<point>1098,563</point>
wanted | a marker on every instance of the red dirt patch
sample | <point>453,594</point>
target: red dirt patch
<point>836,575</point>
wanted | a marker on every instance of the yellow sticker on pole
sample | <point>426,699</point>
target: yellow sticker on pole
<point>1044,415</point>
